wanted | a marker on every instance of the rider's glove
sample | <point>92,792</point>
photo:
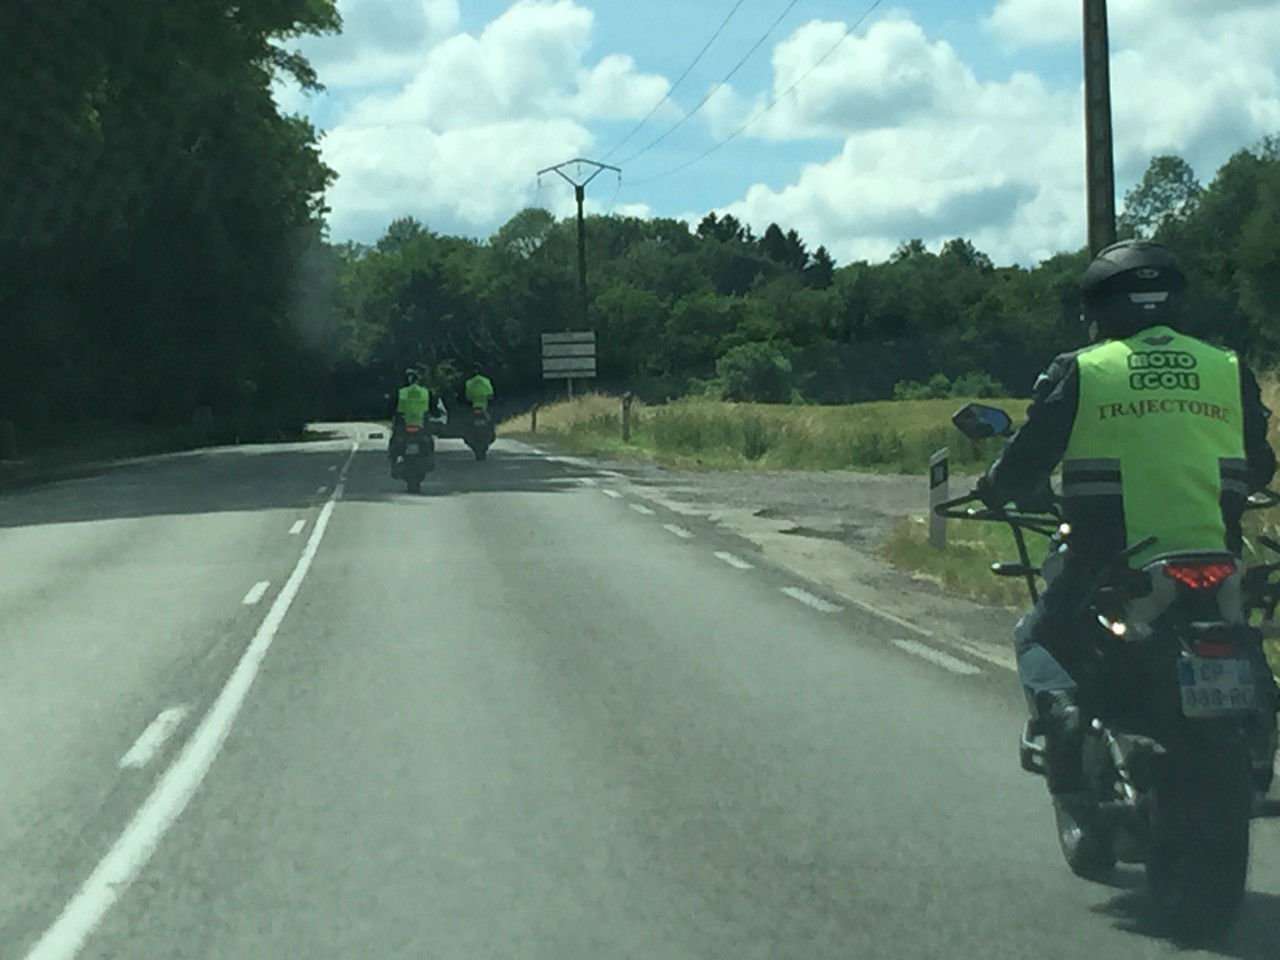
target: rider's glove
<point>990,499</point>
<point>1039,500</point>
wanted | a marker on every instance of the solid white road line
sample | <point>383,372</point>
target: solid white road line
<point>680,532</point>
<point>175,788</point>
<point>641,509</point>
<point>937,657</point>
<point>886,615</point>
<point>809,600</point>
<point>736,562</point>
<point>256,593</point>
<point>153,738</point>
<point>297,527</point>
<point>611,493</point>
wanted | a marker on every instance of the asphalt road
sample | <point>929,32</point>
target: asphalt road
<point>527,714</point>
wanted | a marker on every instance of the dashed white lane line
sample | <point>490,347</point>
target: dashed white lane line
<point>321,489</point>
<point>641,509</point>
<point>611,493</point>
<point>587,481</point>
<point>736,562</point>
<point>992,655</point>
<point>256,593</point>
<point>936,657</point>
<point>886,615</point>
<point>153,738</point>
<point>175,788</point>
<point>297,527</point>
<point>809,600</point>
<point>333,468</point>
<point>677,531</point>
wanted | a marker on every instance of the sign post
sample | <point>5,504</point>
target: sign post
<point>939,487</point>
<point>567,356</point>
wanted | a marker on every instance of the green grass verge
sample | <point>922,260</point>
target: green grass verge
<point>888,436</point>
<point>964,567</point>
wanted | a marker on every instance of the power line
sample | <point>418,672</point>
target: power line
<point>679,80</point>
<point>772,103</point>
<point>712,92</point>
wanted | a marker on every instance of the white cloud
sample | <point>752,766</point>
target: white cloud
<point>459,140</point>
<point>1034,22</point>
<point>381,41</point>
<point>930,150</point>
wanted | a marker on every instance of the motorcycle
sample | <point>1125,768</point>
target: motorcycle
<point>1180,714</point>
<point>418,458</point>
<point>479,433</point>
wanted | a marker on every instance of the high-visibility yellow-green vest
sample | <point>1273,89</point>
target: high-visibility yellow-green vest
<point>413,403</point>
<point>1159,426</point>
<point>479,389</point>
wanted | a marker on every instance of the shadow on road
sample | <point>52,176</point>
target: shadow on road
<point>273,477</point>
<point>1254,936</point>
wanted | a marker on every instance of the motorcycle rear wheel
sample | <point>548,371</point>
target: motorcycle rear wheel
<point>1199,859</point>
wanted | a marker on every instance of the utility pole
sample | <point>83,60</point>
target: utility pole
<point>1099,161</point>
<point>579,193</point>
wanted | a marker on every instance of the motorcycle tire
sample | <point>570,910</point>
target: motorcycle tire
<point>413,486</point>
<point>481,452</point>
<point>1088,852</point>
<point>1199,859</point>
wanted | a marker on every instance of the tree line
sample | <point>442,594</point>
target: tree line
<point>718,309</point>
<point>160,217</point>
<point>165,262</point>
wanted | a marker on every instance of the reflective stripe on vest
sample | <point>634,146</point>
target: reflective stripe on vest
<point>413,402</point>
<point>1159,426</point>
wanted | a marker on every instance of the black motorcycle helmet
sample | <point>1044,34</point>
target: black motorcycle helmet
<point>1129,286</point>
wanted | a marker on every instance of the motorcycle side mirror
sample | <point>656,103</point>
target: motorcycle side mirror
<point>977,421</point>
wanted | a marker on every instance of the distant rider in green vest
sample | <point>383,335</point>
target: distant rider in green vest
<point>478,391</point>
<point>414,403</point>
<point>1159,434</point>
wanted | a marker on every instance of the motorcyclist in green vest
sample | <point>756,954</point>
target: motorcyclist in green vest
<point>1159,434</point>
<point>414,403</point>
<point>478,391</point>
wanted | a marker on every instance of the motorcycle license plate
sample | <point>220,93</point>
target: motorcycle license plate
<point>413,448</point>
<point>1212,687</point>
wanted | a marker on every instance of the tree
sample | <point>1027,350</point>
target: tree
<point>821,270</point>
<point>755,372</point>
<point>1168,191</point>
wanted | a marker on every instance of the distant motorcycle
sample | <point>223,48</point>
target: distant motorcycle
<point>479,433</point>
<point>419,457</point>
<point>1181,733</point>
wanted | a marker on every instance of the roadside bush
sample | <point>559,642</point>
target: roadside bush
<point>937,387</point>
<point>755,372</point>
<point>978,384</point>
<point>975,383</point>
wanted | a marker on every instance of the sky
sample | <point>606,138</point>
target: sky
<point>859,124</point>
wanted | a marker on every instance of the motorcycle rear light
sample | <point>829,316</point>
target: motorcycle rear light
<point>1199,576</point>
<point>412,429</point>
<point>1215,651</point>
